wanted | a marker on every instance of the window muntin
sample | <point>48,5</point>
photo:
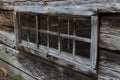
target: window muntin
<point>70,37</point>
<point>52,29</point>
<point>66,26</point>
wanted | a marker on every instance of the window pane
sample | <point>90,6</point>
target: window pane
<point>53,41</point>
<point>43,22</point>
<point>67,45</point>
<point>23,20</point>
<point>32,36</point>
<point>24,34</point>
<point>43,39</point>
<point>82,49</point>
<point>67,26</point>
<point>64,25</point>
<point>83,28</point>
<point>31,21</point>
<point>53,24</point>
<point>71,28</point>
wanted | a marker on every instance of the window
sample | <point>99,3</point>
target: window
<point>72,37</point>
<point>28,27</point>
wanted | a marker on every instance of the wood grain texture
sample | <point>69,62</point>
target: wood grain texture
<point>110,32</point>
<point>109,65</point>
<point>6,18</point>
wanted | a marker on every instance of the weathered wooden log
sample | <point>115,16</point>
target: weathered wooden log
<point>6,18</point>
<point>109,65</point>
<point>110,31</point>
<point>7,39</point>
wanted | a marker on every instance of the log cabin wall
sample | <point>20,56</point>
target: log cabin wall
<point>109,47</point>
<point>33,67</point>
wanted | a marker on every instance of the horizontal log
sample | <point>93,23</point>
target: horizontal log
<point>7,39</point>
<point>12,71</point>
<point>9,55</point>
<point>68,10</point>
<point>6,5</point>
<point>6,18</point>
<point>109,65</point>
<point>110,32</point>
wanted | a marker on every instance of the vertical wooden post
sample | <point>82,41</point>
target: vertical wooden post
<point>16,30</point>
<point>59,44</point>
<point>48,24</point>
<point>94,40</point>
<point>37,31</point>
<point>74,39</point>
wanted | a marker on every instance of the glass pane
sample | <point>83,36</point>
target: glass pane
<point>43,22</point>
<point>32,36</point>
<point>82,49</point>
<point>71,28</point>
<point>67,45</point>
<point>43,39</point>
<point>23,20</point>
<point>64,25</point>
<point>67,26</point>
<point>83,27</point>
<point>53,41</point>
<point>31,21</point>
<point>54,25</point>
<point>24,34</point>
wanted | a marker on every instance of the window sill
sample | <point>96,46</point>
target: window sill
<point>79,65</point>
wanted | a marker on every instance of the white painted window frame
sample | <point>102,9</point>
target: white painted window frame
<point>91,63</point>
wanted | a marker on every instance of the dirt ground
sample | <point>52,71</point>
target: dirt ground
<point>7,77</point>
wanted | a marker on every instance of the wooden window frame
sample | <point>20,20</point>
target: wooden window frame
<point>91,63</point>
